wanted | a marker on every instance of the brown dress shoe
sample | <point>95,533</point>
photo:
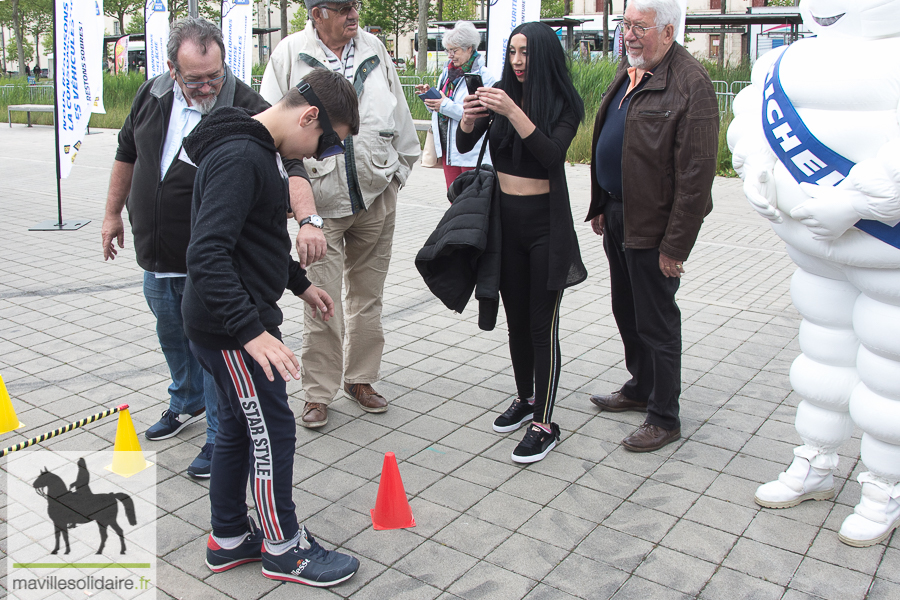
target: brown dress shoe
<point>650,437</point>
<point>368,399</point>
<point>618,402</point>
<point>315,414</point>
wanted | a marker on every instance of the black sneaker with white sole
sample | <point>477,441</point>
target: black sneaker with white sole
<point>309,563</point>
<point>170,424</point>
<point>536,444</point>
<point>519,412</point>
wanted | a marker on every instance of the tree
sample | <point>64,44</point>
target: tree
<point>393,16</point>
<point>551,9</point>
<point>12,52</point>
<point>284,17</point>
<point>16,17</point>
<point>457,10</point>
<point>298,23</point>
<point>39,16</point>
<point>135,24</point>
<point>117,9</point>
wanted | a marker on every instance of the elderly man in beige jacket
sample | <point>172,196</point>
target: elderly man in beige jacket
<point>353,203</point>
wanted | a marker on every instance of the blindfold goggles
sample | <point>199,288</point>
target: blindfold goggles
<point>329,142</point>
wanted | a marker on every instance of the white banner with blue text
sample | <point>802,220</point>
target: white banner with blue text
<point>156,36</point>
<point>503,17</point>
<point>237,30</point>
<point>75,91</point>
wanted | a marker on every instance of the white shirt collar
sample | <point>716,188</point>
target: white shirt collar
<point>350,44</point>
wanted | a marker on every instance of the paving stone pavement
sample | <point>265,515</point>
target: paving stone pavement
<point>590,521</point>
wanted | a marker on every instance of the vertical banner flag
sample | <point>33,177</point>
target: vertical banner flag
<point>121,55</point>
<point>74,25</point>
<point>237,29</point>
<point>503,17</point>
<point>617,41</point>
<point>94,56</point>
<point>156,36</point>
<point>680,38</point>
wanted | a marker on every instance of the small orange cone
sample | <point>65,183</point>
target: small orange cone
<point>392,509</point>
<point>128,459</point>
<point>8,419</point>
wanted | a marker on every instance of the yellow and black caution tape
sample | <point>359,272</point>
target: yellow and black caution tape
<point>46,436</point>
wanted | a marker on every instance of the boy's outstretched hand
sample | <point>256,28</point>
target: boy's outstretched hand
<point>269,352</point>
<point>319,300</point>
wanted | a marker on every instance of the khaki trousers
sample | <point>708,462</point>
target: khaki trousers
<point>359,253</point>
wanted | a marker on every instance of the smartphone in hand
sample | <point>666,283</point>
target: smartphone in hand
<point>473,82</point>
<point>431,94</point>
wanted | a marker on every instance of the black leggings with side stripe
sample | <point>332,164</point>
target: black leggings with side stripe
<point>532,311</point>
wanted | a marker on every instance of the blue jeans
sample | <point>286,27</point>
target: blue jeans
<point>191,387</point>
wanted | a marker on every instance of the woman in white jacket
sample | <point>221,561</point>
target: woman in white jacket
<point>461,44</point>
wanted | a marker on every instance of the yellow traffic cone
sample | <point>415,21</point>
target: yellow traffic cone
<point>128,459</point>
<point>8,419</point>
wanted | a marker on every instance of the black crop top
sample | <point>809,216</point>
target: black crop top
<point>502,158</point>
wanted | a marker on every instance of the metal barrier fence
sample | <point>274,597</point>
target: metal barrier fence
<point>37,94</point>
<point>725,93</point>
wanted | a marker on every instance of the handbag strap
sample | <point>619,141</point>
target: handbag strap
<point>487,133</point>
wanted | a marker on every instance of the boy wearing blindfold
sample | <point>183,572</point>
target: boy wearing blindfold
<point>239,264</point>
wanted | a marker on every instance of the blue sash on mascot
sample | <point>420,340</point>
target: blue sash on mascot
<point>806,158</point>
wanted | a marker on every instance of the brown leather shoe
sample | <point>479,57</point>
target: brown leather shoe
<point>650,437</point>
<point>368,399</point>
<point>618,402</point>
<point>315,414</point>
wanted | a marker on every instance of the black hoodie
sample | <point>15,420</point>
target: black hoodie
<point>239,257</point>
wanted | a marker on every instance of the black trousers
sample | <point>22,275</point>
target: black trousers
<point>256,430</point>
<point>643,304</point>
<point>532,311</point>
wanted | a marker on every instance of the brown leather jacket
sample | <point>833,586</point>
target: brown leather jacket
<point>668,156</point>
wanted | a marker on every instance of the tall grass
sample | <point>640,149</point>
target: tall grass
<point>118,93</point>
<point>591,78</point>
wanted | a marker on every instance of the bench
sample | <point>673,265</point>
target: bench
<point>422,124</point>
<point>27,108</point>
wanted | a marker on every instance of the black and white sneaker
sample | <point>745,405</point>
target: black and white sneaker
<point>536,444</point>
<point>519,412</point>
<point>309,563</point>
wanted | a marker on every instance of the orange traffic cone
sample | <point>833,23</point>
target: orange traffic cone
<point>8,419</point>
<point>392,509</point>
<point>128,459</point>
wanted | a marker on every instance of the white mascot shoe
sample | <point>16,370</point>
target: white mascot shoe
<point>810,477</point>
<point>876,515</point>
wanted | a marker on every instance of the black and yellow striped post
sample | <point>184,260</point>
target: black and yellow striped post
<point>50,434</point>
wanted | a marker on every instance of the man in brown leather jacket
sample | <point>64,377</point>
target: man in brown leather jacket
<point>654,159</point>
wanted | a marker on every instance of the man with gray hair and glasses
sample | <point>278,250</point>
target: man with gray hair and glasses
<point>153,177</point>
<point>654,159</point>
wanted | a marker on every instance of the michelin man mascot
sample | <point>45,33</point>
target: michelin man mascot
<point>816,140</point>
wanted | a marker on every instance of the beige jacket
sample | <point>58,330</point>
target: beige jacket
<point>387,145</point>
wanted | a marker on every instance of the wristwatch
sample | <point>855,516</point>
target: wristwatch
<point>314,220</point>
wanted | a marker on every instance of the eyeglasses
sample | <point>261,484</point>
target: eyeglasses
<point>452,51</point>
<point>345,9</point>
<point>639,31</point>
<point>196,85</point>
<point>329,142</point>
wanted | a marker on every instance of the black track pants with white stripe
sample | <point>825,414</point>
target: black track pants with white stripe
<point>257,435</point>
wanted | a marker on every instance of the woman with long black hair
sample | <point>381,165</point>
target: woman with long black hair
<point>536,112</point>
